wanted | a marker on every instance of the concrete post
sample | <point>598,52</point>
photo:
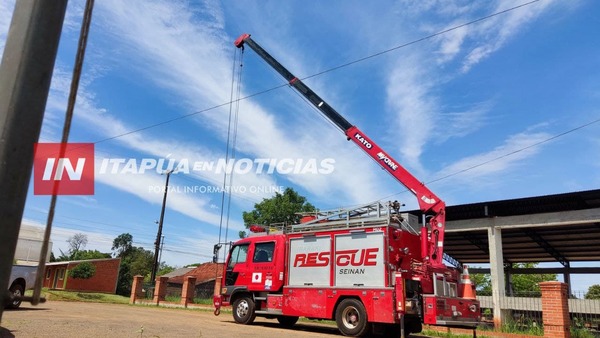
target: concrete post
<point>497,273</point>
<point>136,289</point>
<point>160,289</point>
<point>188,290</point>
<point>555,309</point>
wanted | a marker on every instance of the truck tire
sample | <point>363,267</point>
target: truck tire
<point>287,321</point>
<point>17,290</point>
<point>243,310</point>
<point>351,318</point>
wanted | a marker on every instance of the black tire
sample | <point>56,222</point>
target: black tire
<point>287,321</point>
<point>17,291</point>
<point>412,325</point>
<point>243,310</point>
<point>351,318</point>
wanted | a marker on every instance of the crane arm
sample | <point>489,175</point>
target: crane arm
<point>432,239</point>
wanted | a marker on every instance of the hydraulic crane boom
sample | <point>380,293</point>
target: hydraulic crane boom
<point>432,239</point>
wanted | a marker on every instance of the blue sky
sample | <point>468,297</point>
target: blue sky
<point>499,86</point>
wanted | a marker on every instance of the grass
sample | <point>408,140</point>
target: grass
<point>432,333</point>
<point>76,296</point>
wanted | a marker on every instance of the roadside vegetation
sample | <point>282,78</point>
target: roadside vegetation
<point>75,296</point>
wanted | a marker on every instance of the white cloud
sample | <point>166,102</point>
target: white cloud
<point>513,152</point>
<point>493,33</point>
<point>194,64</point>
<point>408,94</point>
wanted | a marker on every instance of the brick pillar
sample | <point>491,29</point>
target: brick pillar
<point>555,309</point>
<point>188,290</point>
<point>160,289</point>
<point>136,289</point>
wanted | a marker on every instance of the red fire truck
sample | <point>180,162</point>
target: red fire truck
<point>366,268</point>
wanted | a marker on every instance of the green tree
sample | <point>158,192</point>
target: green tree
<point>90,254</point>
<point>83,270</point>
<point>593,292</point>
<point>122,244</point>
<point>529,283</point>
<point>134,261</point>
<point>483,283</point>
<point>521,283</point>
<point>281,208</point>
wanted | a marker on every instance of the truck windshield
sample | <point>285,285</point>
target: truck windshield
<point>239,254</point>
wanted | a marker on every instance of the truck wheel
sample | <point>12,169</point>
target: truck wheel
<point>17,291</point>
<point>287,321</point>
<point>351,318</point>
<point>243,310</point>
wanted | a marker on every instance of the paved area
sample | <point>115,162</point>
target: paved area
<point>75,319</point>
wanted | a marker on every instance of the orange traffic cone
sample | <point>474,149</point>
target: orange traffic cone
<point>466,286</point>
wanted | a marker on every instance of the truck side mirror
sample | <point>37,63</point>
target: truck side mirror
<point>216,249</point>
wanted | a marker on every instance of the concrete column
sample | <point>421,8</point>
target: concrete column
<point>497,273</point>
<point>136,289</point>
<point>188,290</point>
<point>160,289</point>
<point>555,309</point>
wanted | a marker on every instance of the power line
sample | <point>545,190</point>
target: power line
<point>516,151</point>
<point>320,73</point>
<point>422,39</point>
<point>503,155</point>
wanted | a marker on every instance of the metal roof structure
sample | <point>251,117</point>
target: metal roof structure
<point>554,228</point>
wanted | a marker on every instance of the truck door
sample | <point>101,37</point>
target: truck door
<point>262,266</point>
<point>236,272</point>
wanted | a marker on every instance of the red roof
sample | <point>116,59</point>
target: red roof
<point>203,273</point>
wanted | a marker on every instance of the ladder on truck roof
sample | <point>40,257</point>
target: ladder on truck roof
<point>367,215</point>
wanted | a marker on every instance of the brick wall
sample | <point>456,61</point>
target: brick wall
<point>104,280</point>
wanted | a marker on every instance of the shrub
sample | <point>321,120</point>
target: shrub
<point>83,270</point>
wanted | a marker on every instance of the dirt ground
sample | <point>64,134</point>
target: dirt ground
<point>75,319</point>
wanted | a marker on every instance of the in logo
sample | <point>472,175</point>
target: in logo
<point>71,173</point>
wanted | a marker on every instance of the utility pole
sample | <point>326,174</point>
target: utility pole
<point>25,73</point>
<point>160,225</point>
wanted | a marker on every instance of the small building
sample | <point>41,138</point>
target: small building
<point>29,245</point>
<point>104,280</point>
<point>205,274</point>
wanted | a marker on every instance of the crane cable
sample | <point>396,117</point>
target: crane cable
<point>81,47</point>
<point>234,105</point>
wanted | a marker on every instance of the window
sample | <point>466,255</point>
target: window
<point>263,252</point>
<point>239,254</point>
<point>48,273</point>
<point>61,273</point>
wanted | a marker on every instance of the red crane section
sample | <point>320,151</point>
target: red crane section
<point>432,237</point>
